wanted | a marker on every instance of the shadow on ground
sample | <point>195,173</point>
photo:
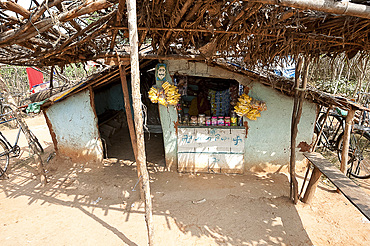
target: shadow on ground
<point>189,209</point>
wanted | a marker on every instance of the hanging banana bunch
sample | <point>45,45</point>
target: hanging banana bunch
<point>172,93</point>
<point>249,107</point>
<point>153,95</point>
<point>168,95</point>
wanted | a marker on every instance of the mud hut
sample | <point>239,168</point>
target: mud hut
<point>250,33</point>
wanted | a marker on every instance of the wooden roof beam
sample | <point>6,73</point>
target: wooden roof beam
<point>14,7</point>
<point>328,6</point>
<point>12,36</point>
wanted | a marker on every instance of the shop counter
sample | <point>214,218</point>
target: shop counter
<point>216,149</point>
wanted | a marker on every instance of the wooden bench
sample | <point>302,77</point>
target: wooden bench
<point>349,189</point>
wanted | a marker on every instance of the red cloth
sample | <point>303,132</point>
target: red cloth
<point>34,77</point>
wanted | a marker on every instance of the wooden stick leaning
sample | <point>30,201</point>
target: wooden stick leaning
<point>130,122</point>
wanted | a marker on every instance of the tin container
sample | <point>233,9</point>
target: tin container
<point>208,121</point>
<point>227,121</point>
<point>220,121</point>
<point>214,121</point>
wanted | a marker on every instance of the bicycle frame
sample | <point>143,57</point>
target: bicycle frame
<point>11,147</point>
<point>15,147</point>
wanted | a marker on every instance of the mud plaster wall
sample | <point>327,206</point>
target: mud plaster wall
<point>268,139</point>
<point>75,126</point>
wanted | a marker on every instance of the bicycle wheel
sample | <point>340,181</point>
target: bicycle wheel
<point>358,164</point>
<point>4,157</point>
<point>37,143</point>
<point>332,128</point>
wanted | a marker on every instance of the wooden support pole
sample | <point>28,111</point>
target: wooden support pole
<point>293,126</point>
<point>137,105</point>
<point>346,139</point>
<point>312,184</point>
<point>130,121</point>
<point>296,116</point>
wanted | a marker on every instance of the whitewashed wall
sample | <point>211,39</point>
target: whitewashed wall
<point>75,126</point>
<point>268,138</point>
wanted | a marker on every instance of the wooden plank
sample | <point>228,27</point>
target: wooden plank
<point>348,188</point>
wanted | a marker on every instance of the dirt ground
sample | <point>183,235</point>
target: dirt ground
<point>98,204</point>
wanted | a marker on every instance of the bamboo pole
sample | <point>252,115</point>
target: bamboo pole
<point>346,138</point>
<point>137,105</point>
<point>328,6</point>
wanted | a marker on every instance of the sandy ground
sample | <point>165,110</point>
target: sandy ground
<point>98,204</point>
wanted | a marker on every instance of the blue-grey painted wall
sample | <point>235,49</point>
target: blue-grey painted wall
<point>75,126</point>
<point>111,98</point>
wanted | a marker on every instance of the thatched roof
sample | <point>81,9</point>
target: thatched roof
<point>256,31</point>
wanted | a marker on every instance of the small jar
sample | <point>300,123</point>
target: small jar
<point>227,121</point>
<point>194,121</point>
<point>202,120</point>
<point>221,121</point>
<point>186,120</point>
<point>214,121</point>
<point>208,121</point>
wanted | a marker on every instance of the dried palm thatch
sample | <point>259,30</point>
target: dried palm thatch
<point>254,32</point>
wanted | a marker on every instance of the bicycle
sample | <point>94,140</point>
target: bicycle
<point>6,148</point>
<point>332,128</point>
<point>359,144</point>
<point>6,113</point>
